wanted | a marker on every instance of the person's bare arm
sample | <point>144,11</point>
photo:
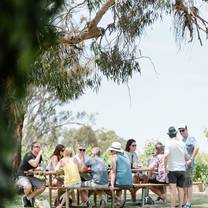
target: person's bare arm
<point>59,165</point>
<point>113,172</point>
<point>54,161</point>
<point>195,152</point>
<point>35,162</point>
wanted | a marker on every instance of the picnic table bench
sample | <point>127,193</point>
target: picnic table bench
<point>144,187</point>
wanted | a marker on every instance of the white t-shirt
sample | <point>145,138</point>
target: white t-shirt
<point>175,151</point>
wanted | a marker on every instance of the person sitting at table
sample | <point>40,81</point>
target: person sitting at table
<point>71,174</point>
<point>139,177</point>
<point>99,172</point>
<point>158,164</point>
<point>81,157</point>
<point>120,173</point>
<point>32,186</point>
<point>54,159</point>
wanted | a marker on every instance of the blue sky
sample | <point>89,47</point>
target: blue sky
<point>176,93</point>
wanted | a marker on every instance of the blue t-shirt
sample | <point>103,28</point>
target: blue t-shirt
<point>99,170</point>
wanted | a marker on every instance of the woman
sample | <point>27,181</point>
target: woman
<point>120,174</point>
<point>130,152</point>
<point>56,157</point>
<point>160,177</point>
<point>71,174</point>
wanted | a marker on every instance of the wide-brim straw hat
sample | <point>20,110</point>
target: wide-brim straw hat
<point>115,146</point>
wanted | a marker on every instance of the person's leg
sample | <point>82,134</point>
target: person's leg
<point>118,195</point>
<point>156,190</point>
<point>38,186</point>
<point>83,196</point>
<point>180,186</point>
<point>36,192</point>
<point>62,201</point>
<point>136,180</point>
<point>172,194</point>
<point>74,203</point>
<point>188,186</point>
<point>180,196</point>
<point>185,191</point>
<point>189,194</point>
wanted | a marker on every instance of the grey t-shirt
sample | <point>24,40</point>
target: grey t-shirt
<point>190,143</point>
<point>99,170</point>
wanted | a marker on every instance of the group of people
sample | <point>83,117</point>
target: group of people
<point>171,164</point>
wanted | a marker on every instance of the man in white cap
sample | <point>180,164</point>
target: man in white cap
<point>120,175</point>
<point>192,150</point>
<point>175,152</point>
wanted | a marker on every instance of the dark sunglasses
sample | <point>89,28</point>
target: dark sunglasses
<point>36,146</point>
<point>181,130</point>
<point>82,150</point>
<point>133,145</point>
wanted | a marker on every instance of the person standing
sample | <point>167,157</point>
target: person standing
<point>32,186</point>
<point>192,150</point>
<point>175,153</point>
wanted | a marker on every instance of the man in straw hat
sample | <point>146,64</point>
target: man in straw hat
<point>120,175</point>
<point>175,153</point>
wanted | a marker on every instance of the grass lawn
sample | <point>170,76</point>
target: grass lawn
<point>200,200</point>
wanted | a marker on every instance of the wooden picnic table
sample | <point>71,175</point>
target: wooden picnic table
<point>51,174</point>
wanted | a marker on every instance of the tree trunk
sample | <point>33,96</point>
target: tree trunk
<point>17,155</point>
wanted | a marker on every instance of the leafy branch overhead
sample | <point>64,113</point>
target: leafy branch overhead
<point>97,37</point>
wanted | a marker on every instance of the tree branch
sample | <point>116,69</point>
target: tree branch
<point>91,31</point>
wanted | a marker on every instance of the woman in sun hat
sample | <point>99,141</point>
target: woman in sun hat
<point>120,175</point>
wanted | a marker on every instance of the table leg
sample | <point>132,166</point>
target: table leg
<point>50,190</point>
<point>67,198</point>
<point>113,199</point>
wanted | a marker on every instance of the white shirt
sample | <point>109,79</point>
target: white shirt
<point>175,151</point>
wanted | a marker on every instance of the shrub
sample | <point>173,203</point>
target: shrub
<point>201,168</point>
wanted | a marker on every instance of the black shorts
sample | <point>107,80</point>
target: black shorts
<point>155,181</point>
<point>176,177</point>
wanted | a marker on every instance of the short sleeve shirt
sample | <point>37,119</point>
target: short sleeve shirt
<point>190,143</point>
<point>99,170</point>
<point>176,152</point>
<point>24,165</point>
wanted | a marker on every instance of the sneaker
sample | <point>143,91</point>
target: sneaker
<point>158,199</point>
<point>187,206</point>
<point>26,202</point>
<point>148,200</point>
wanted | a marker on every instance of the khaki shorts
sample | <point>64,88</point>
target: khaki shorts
<point>36,183</point>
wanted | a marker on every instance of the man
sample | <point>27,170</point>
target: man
<point>192,150</point>
<point>175,153</point>
<point>32,186</point>
<point>99,172</point>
